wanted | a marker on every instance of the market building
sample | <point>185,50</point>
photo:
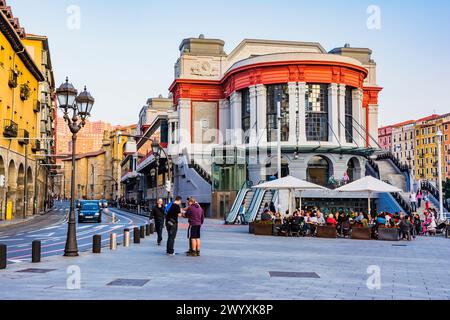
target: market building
<point>223,127</point>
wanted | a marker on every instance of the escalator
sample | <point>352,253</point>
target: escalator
<point>245,194</point>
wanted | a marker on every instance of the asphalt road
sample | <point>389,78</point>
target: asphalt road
<point>51,229</point>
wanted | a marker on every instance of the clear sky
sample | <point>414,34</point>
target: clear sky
<point>125,50</point>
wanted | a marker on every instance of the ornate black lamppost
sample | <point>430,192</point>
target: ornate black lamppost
<point>76,110</point>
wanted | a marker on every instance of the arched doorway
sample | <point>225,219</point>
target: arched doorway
<point>11,190</point>
<point>319,170</point>
<point>20,191</point>
<point>30,191</point>
<point>354,169</point>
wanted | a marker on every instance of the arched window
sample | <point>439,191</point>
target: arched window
<point>316,101</point>
<point>354,169</point>
<point>349,114</point>
<point>278,93</point>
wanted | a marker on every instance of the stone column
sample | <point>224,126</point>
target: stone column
<point>333,113</point>
<point>301,112</point>
<point>261,114</point>
<point>373,125</point>
<point>341,121</point>
<point>293,112</point>
<point>224,122</point>
<point>253,116</point>
<point>236,117</point>
<point>185,122</point>
<point>358,121</point>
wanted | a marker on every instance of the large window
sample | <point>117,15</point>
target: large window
<point>277,94</point>
<point>349,115</point>
<point>316,112</point>
<point>246,114</point>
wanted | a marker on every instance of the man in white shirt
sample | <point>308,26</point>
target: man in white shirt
<point>413,200</point>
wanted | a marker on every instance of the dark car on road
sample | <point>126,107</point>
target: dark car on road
<point>89,211</point>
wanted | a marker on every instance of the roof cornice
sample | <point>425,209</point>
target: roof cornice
<point>13,38</point>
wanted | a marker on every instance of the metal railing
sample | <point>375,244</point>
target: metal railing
<point>10,128</point>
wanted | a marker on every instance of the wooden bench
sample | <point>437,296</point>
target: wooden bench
<point>389,234</point>
<point>361,233</point>
<point>328,232</point>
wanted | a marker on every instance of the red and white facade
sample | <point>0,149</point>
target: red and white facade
<point>336,90</point>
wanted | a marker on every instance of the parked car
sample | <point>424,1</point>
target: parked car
<point>89,211</point>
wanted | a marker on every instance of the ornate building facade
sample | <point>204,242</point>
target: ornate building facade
<point>223,128</point>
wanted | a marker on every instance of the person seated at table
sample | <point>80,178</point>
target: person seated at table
<point>331,221</point>
<point>266,216</point>
<point>365,221</point>
<point>346,226</point>
<point>277,218</point>
<point>320,218</point>
<point>381,220</point>
<point>312,222</point>
<point>359,217</point>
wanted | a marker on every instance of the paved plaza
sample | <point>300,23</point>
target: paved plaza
<point>238,266</point>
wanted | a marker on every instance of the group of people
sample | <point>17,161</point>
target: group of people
<point>419,198</point>
<point>305,222</point>
<point>168,215</point>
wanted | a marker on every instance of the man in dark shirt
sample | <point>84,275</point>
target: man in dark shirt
<point>172,224</point>
<point>158,216</point>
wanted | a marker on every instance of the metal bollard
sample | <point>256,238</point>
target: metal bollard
<point>36,251</point>
<point>3,250</point>
<point>142,231</point>
<point>113,215</point>
<point>152,228</point>
<point>97,244</point>
<point>136,235</point>
<point>147,230</point>
<point>113,241</point>
<point>126,237</point>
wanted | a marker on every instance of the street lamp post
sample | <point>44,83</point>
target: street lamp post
<point>441,200</point>
<point>76,110</point>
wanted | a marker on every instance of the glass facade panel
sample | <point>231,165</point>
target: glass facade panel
<point>316,108</point>
<point>246,114</point>
<point>275,94</point>
<point>349,114</point>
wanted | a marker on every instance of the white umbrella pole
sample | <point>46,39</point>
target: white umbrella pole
<point>300,201</point>
<point>290,202</point>
<point>369,195</point>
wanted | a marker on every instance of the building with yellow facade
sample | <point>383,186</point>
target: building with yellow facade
<point>426,156</point>
<point>26,81</point>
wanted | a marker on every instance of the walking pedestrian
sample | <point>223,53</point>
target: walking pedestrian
<point>196,217</point>
<point>158,213</point>
<point>172,224</point>
<point>242,213</point>
<point>413,200</point>
<point>419,199</point>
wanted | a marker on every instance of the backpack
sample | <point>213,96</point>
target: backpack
<point>166,210</point>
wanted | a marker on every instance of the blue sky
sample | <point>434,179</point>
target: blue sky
<point>125,50</point>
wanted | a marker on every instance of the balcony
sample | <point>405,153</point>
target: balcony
<point>10,129</point>
<point>36,106</point>
<point>24,137</point>
<point>36,145</point>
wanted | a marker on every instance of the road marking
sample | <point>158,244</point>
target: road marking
<point>16,260</point>
<point>46,235</point>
